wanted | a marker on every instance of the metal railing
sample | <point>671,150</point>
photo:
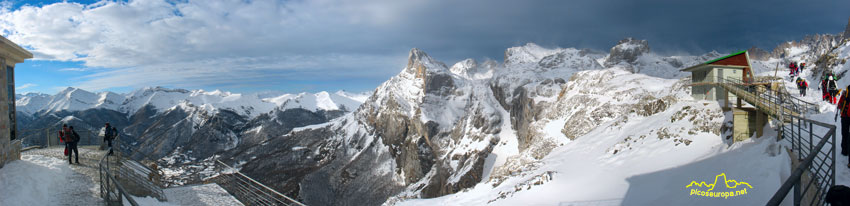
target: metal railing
<point>47,137</point>
<point>812,141</point>
<point>815,173</point>
<point>110,189</point>
<point>247,190</point>
<point>777,101</point>
<point>140,176</point>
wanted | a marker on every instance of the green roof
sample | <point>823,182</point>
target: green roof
<point>727,56</point>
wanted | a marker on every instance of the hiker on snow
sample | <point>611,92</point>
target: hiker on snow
<point>829,88</point>
<point>832,89</point>
<point>71,140</point>
<point>109,133</point>
<point>844,109</point>
<point>793,68</point>
<point>802,85</point>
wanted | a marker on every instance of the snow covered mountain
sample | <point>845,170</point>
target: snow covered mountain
<point>544,126</point>
<point>158,121</point>
<point>434,130</point>
<point>75,99</point>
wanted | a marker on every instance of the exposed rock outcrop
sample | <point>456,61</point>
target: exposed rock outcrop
<point>627,51</point>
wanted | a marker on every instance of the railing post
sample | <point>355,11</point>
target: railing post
<point>811,144</point>
<point>797,198</point>
<point>832,178</point>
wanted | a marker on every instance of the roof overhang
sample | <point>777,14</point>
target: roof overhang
<point>692,68</point>
<point>710,62</point>
<point>13,52</point>
<point>703,65</point>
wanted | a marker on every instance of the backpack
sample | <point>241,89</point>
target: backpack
<point>75,137</point>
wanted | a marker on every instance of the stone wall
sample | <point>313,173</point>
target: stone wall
<point>9,150</point>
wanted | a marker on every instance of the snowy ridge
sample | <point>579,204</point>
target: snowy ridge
<point>593,133</point>
<point>75,99</point>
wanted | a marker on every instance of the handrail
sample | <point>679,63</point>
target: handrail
<point>48,136</point>
<point>107,182</point>
<point>795,177</point>
<point>261,185</point>
<point>787,110</point>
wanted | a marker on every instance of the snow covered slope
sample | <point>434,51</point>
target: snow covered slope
<point>492,130</point>
<point>618,137</point>
<point>612,137</point>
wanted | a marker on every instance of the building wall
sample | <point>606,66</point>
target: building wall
<point>728,73</point>
<point>7,151</point>
<point>10,54</point>
<point>714,74</point>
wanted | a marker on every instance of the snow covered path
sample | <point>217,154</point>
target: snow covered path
<point>43,180</point>
<point>43,177</point>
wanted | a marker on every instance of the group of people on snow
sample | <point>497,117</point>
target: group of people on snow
<point>796,68</point>
<point>71,139</point>
<point>832,94</point>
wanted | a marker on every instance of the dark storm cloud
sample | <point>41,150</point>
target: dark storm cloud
<point>326,41</point>
<point>461,29</point>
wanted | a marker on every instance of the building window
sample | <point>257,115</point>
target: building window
<point>10,85</point>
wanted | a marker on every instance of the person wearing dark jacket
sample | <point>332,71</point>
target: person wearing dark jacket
<point>838,195</point>
<point>109,135</point>
<point>844,109</point>
<point>72,145</point>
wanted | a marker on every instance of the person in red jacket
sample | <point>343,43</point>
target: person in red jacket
<point>844,109</point>
<point>792,67</point>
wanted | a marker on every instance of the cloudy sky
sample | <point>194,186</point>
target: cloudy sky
<point>316,45</point>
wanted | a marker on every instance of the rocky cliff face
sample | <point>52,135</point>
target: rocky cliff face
<point>429,131</point>
<point>847,30</point>
<point>627,51</point>
<point>818,43</point>
<point>758,54</point>
<point>434,130</point>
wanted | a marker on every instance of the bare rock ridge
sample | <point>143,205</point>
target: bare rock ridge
<point>847,30</point>
<point>627,51</point>
<point>758,54</point>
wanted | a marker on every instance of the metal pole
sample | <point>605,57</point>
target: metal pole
<point>832,178</point>
<point>797,198</point>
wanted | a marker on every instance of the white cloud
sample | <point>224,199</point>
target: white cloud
<point>146,42</point>
<point>73,69</point>
<point>25,86</point>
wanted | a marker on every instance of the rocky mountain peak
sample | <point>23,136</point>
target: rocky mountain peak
<point>528,53</point>
<point>758,53</point>
<point>463,68</point>
<point>847,30</point>
<point>627,50</point>
<point>419,64</point>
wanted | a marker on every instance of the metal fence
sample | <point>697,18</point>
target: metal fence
<point>48,137</point>
<point>775,101</point>
<point>813,142</point>
<point>110,189</point>
<point>247,190</point>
